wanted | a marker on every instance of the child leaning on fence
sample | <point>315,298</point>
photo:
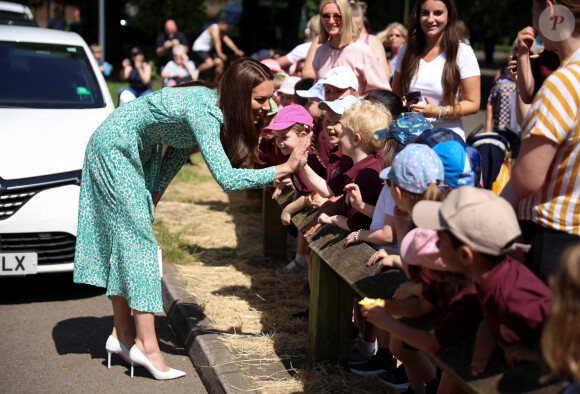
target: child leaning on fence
<point>358,124</point>
<point>477,230</point>
<point>454,294</point>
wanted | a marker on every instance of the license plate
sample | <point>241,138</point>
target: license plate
<point>18,264</point>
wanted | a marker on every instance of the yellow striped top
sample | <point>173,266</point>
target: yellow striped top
<point>554,115</point>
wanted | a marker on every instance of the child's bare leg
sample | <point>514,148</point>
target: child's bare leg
<point>417,362</point>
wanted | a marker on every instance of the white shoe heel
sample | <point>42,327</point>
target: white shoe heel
<point>113,345</point>
<point>137,357</point>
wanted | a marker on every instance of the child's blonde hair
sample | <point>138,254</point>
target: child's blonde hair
<point>299,128</point>
<point>390,151</point>
<point>96,48</point>
<point>561,333</point>
<point>433,193</point>
<point>365,119</point>
<point>277,82</point>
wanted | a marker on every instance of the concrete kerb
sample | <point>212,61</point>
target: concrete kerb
<point>213,362</point>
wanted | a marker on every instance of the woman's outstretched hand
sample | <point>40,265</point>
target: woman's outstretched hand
<point>298,152</point>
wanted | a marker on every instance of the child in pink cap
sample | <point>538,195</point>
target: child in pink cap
<point>454,294</point>
<point>290,124</point>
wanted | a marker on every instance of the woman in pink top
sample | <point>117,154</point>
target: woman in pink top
<point>341,47</point>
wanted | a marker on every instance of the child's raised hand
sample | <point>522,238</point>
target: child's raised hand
<point>281,185</point>
<point>354,196</point>
<point>378,255</point>
<point>407,290</point>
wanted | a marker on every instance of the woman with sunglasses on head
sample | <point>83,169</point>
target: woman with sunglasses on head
<point>126,171</point>
<point>341,47</point>
<point>440,67</point>
<point>393,37</point>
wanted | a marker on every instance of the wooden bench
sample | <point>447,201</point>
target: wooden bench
<point>339,272</point>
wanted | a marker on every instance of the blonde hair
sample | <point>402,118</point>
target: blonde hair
<point>390,151</point>
<point>314,26</point>
<point>365,119</point>
<point>431,194</point>
<point>277,81</point>
<point>384,35</point>
<point>561,334</point>
<point>348,33</point>
<point>299,128</point>
<point>96,48</point>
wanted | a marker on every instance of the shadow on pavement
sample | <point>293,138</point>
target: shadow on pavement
<point>44,288</point>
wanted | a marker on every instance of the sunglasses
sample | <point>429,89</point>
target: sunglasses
<point>336,17</point>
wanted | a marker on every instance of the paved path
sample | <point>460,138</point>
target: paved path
<point>52,340</point>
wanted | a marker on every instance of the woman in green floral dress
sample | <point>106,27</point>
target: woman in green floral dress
<point>125,173</point>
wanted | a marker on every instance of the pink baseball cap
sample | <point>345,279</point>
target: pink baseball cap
<point>273,65</point>
<point>419,247</point>
<point>288,116</point>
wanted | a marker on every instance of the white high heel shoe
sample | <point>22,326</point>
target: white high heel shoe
<point>137,357</point>
<point>113,345</point>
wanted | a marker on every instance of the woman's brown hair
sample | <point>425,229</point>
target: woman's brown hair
<point>239,135</point>
<point>561,333</point>
<point>416,45</point>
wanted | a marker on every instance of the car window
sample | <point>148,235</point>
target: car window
<point>43,75</point>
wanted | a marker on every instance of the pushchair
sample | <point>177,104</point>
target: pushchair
<point>494,148</point>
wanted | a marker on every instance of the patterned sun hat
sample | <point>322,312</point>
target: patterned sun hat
<point>414,168</point>
<point>406,128</point>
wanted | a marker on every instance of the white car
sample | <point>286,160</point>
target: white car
<point>16,14</point>
<point>52,98</point>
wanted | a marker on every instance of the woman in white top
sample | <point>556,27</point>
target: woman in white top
<point>180,69</point>
<point>435,63</point>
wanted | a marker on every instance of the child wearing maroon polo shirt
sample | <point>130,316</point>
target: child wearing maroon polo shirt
<point>291,123</point>
<point>477,229</point>
<point>454,294</point>
<point>357,141</point>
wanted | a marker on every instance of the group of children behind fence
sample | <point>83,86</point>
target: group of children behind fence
<point>413,193</point>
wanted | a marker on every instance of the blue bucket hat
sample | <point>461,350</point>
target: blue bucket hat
<point>414,168</point>
<point>340,105</point>
<point>316,91</point>
<point>405,129</point>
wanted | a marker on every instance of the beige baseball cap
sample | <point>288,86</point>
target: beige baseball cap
<point>479,218</point>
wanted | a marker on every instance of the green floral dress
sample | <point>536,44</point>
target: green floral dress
<point>124,167</point>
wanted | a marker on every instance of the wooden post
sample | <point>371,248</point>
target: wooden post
<point>329,328</point>
<point>274,232</point>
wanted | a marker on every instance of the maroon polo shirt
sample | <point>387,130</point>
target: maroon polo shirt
<point>515,302</point>
<point>365,174</point>
<point>300,183</point>
<point>270,153</point>
<point>461,309</point>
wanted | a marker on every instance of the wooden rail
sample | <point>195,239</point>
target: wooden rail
<point>339,272</point>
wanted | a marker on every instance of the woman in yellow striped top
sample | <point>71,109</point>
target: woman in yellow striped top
<point>546,174</point>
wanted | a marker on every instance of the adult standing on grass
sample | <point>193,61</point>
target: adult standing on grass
<point>126,172</point>
<point>341,47</point>
<point>545,174</point>
<point>433,49</point>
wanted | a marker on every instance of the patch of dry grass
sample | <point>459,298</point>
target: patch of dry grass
<point>214,238</point>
